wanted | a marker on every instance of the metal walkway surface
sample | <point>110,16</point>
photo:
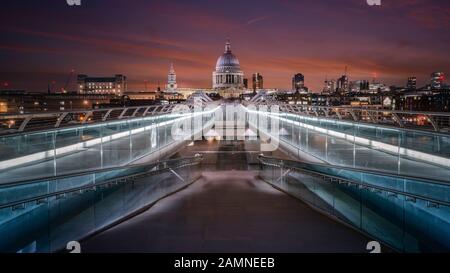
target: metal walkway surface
<point>229,211</point>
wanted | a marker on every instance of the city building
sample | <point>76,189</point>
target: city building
<point>116,85</point>
<point>186,92</point>
<point>360,86</point>
<point>258,82</point>
<point>143,96</point>
<point>329,88</point>
<point>343,85</point>
<point>377,87</point>
<point>171,80</point>
<point>364,85</point>
<point>437,80</point>
<point>412,83</point>
<point>354,86</point>
<point>423,101</point>
<point>3,106</point>
<point>245,83</point>
<point>298,82</point>
<point>228,78</point>
<point>20,102</point>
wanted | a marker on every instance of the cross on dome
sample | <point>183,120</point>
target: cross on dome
<point>228,46</point>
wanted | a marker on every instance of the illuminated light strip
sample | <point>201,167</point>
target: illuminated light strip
<point>82,145</point>
<point>332,121</point>
<point>438,160</point>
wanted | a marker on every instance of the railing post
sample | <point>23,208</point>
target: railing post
<point>398,151</point>
<point>433,123</point>
<point>397,119</point>
<point>60,119</point>
<point>105,117</point>
<point>87,116</point>
<point>281,174</point>
<point>24,123</point>
<point>130,141</point>
<point>54,152</point>
<point>101,145</point>
<point>354,146</point>
<point>135,112</point>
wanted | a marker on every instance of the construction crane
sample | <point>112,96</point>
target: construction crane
<point>69,78</point>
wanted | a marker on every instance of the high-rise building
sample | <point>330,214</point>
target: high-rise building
<point>171,80</point>
<point>245,83</point>
<point>437,80</point>
<point>412,83</point>
<point>258,81</point>
<point>298,82</point>
<point>364,85</point>
<point>358,86</point>
<point>342,85</point>
<point>330,87</point>
<point>116,85</point>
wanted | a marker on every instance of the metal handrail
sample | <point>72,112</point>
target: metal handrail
<point>25,119</point>
<point>9,116</point>
<point>47,129</point>
<point>326,111</point>
<point>377,125</point>
<point>291,165</point>
<point>93,171</point>
<point>74,126</point>
<point>362,108</point>
<point>164,166</point>
<point>379,110</point>
<point>365,170</point>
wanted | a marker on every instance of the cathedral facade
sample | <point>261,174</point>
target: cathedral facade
<point>228,78</point>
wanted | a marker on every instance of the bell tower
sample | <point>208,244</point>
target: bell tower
<point>171,80</point>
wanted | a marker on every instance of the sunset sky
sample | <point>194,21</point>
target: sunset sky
<point>43,40</point>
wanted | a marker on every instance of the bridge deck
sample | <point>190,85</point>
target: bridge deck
<point>228,211</point>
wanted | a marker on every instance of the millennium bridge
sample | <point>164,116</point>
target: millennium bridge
<point>204,176</point>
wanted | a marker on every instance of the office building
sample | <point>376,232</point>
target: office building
<point>116,85</point>
<point>437,80</point>
<point>258,82</point>
<point>412,83</point>
<point>298,82</point>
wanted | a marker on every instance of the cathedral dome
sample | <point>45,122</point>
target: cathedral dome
<point>228,78</point>
<point>228,62</point>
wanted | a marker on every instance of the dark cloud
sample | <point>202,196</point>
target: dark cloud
<point>42,40</point>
